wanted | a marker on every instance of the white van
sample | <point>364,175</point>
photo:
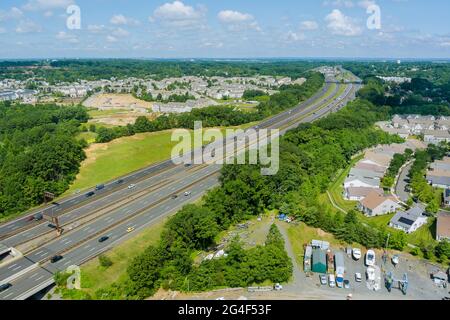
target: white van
<point>332,280</point>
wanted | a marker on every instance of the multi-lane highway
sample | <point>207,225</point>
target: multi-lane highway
<point>118,208</point>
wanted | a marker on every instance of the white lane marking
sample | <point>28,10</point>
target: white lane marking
<point>9,294</point>
<point>12,266</point>
<point>43,254</point>
<point>92,249</point>
<point>17,268</point>
<point>36,280</point>
<point>34,275</point>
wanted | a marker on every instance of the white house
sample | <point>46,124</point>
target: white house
<point>410,220</point>
<point>375,204</point>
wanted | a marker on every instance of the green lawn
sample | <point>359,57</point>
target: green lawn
<point>301,234</point>
<point>95,113</point>
<point>124,155</point>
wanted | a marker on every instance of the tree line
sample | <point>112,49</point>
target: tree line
<point>38,153</point>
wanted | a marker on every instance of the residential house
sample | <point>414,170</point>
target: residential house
<point>409,221</point>
<point>371,167</point>
<point>357,182</point>
<point>438,181</point>
<point>358,194</point>
<point>436,136</point>
<point>375,204</point>
<point>443,226</point>
<point>368,174</point>
<point>446,196</point>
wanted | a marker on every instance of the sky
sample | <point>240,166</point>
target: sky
<point>224,29</point>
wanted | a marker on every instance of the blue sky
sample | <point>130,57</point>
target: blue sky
<point>225,29</point>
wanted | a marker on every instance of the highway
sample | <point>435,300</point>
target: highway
<point>68,204</point>
<point>150,200</point>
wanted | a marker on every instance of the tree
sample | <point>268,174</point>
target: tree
<point>105,261</point>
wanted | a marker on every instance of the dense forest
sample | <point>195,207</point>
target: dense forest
<point>38,152</point>
<point>214,116</point>
<point>74,70</point>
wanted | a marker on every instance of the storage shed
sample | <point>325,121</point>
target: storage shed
<point>319,261</point>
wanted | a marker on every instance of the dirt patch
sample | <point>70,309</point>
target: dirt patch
<point>105,101</point>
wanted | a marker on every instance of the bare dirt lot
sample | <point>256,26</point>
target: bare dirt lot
<point>116,109</point>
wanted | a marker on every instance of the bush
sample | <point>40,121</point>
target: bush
<point>105,261</point>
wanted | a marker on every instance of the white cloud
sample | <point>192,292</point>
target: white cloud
<point>229,16</point>
<point>120,19</point>
<point>178,14</point>
<point>28,26</point>
<point>339,3</point>
<point>111,38</point>
<point>47,4</point>
<point>13,13</point>
<point>120,33</point>
<point>309,25</point>
<point>340,24</point>
<point>366,3</point>
<point>64,36</point>
<point>293,36</point>
<point>95,28</point>
<point>238,21</point>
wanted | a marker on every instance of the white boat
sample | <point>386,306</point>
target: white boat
<point>370,258</point>
<point>395,260</point>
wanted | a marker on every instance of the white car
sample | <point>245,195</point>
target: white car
<point>131,186</point>
<point>278,287</point>
<point>356,253</point>
<point>331,280</point>
<point>370,258</point>
<point>187,193</point>
<point>358,277</point>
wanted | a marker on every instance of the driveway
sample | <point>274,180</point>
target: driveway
<point>403,180</point>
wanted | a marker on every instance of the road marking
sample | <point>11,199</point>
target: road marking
<point>17,268</point>
<point>36,280</point>
<point>34,275</point>
<point>12,266</point>
<point>9,294</point>
<point>44,254</point>
<point>92,249</point>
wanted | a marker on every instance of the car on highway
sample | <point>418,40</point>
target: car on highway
<point>131,186</point>
<point>130,229</point>
<point>187,165</point>
<point>103,239</point>
<point>51,225</point>
<point>119,181</point>
<point>358,277</point>
<point>36,217</point>
<point>370,258</point>
<point>90,194</point>
<point>99,187</point>
<point>323,279</point>
<point>56,258</point>
<point>5,287</point>
<point>187,193</point>
<point>356,253</point>
<point>174,196</point>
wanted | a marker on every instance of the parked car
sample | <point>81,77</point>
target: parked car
<point>278,287</point>
<point>56,258</point>
<point>5,287</point>
<point>331,280</point>
<point>131,186</point>
<point>370,258</point>
<point>323,279</point>
<point>356,253</point>
<point>358,277</point>
<point>346,284</point>
<point>103,239</point>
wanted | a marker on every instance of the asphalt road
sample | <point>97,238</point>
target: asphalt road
<point>81,244</point>
<point>402,183</point>
<point>72,202</point>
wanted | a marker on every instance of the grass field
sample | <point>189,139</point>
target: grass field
<point>301,234</point>
<point>108,161</point>
<point>94,276</point>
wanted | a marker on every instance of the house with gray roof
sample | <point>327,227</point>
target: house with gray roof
<point>409,221</point>
<point>438,181</point>
<point>369,174</point>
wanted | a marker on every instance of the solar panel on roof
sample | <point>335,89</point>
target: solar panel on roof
<point>406,221</point>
